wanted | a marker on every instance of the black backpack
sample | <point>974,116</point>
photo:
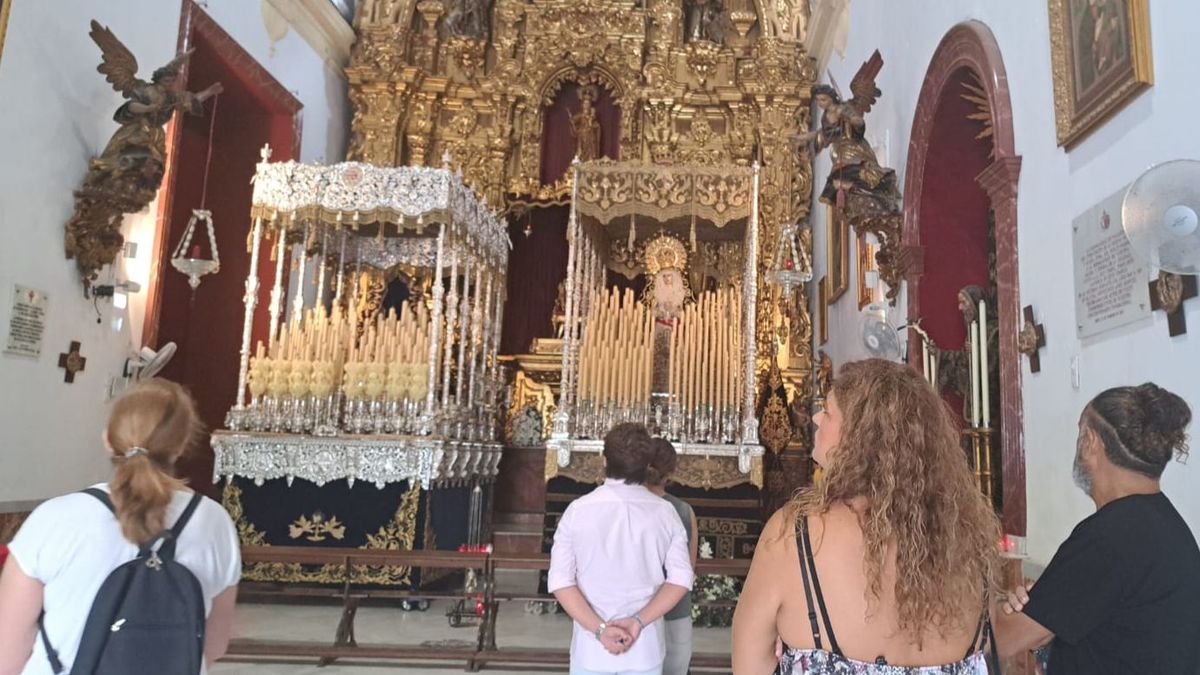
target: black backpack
<point>148,616</point>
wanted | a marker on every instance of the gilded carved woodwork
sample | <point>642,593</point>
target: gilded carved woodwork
<point>425,84</point>
<point>698,471</point>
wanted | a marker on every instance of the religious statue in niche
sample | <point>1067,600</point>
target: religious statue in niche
<point>954,365</point>
<point>703,21</point>
<point>467,18</point>
<point>585,126</point>
<point>127,174</point>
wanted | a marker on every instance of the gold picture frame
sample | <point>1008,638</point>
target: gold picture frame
<point>823,309</point>
<point>866,263</point>
<point>1100,52</point>
<point>5,7</point>
<point>838,254</point>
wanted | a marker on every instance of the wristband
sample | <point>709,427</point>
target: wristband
<point>600,629</point>
<point>641,624</point>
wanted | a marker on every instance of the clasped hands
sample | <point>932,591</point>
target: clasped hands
<point>620,634</point>
<point>1016,599</point>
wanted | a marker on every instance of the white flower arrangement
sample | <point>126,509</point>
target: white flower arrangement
<point>712,588</point>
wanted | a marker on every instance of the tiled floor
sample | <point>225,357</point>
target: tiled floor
<point>379,625</point>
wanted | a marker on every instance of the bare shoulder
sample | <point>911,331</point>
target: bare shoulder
<point>779,532</point>
<point>835,529</point>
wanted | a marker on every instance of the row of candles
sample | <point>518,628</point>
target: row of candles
<point>980,373</point>
<point>700,398</point>
<point>616,356</point>
<point>299,379</point>
<point>705,353</point>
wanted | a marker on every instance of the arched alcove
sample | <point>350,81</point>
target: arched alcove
<point>942,208</point>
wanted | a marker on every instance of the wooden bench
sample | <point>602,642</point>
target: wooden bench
<point>485,649</point>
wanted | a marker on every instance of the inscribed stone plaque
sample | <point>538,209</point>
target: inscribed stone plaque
<point>27,323</point>
<point>1110,280</point>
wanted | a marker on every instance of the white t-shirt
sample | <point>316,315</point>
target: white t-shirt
<point>72,543</point>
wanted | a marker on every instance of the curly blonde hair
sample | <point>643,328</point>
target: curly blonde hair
<point>899,450</point>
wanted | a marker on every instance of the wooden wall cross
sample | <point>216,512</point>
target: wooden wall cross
<point>1167,293</point>
<point>72,362</point>
<point>1031,339</point>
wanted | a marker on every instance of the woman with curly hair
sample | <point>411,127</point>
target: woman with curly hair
<point>886,565</point>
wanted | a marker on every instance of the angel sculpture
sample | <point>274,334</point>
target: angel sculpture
<point>127,174</point>
<point>856,181</point>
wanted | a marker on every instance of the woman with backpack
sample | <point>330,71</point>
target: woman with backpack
<point>136,575</point>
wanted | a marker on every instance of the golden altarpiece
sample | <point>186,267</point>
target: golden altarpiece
<point>688,83</point>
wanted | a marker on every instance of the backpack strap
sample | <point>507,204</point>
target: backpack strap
<point>167,550</point>
<point>52,654</point>
<point>102,496</point>
<point>55,664</point>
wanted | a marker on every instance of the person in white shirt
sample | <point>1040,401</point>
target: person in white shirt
<point>619,563</point>
<point>68,546</point>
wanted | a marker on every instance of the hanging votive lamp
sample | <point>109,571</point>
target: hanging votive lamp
<point>187,257</point>
<point>790,266</point>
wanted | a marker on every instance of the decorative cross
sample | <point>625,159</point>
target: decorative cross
<point>1031,339</point>
<point>72,361</point>
<point>1168,293</point>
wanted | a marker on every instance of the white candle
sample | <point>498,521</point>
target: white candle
<point>983,368</point>
<point>926,370</point>
<point>974,337</point>
<point>933,368</point>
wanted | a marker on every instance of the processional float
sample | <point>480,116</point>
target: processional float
<point>679,359</point>
<point>402,396</point>
<point>339,389</point>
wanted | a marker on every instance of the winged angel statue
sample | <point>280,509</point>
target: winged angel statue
<point>127,174</point>
<point>856,182</point>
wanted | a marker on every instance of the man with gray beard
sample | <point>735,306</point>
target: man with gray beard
<point>1122,593</point>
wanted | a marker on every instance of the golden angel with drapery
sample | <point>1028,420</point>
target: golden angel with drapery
<point>127,174</point>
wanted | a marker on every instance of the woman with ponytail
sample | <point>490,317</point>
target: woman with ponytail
<point>69,545</point>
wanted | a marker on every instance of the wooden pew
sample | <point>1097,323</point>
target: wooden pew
<point>485,650</point>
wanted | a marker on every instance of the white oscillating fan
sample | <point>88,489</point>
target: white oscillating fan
<point>148,362</point>
<point>878,336</point>
<point>1161,216</point>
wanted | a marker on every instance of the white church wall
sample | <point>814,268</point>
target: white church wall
<point>56,115</point>
<point>1055,187</point>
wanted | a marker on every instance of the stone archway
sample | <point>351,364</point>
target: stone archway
<point>972,46</point>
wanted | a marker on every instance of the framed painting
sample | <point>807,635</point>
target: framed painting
<point>1100,51</point>
<point>838,253</point>
<point>823,308</point>
<point>5,6</point>
<point>866,264</point>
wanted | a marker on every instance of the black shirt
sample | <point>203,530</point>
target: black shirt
<point>1122,594</point>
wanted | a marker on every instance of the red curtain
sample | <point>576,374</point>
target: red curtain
<point>536,264</point>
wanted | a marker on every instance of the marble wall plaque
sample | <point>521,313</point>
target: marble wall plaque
<point>1110,279</point>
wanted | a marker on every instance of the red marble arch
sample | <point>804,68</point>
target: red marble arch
<point>971,45</point>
